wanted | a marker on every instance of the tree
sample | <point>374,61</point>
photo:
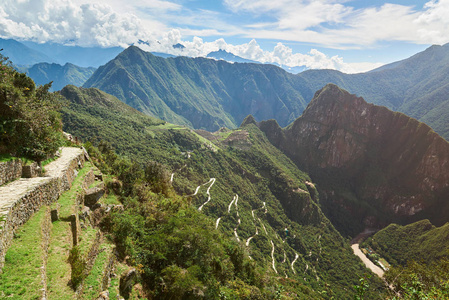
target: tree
<point>30,123</point>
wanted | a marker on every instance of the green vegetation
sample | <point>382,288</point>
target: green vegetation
<point>30,125</point>
<point>60,76</point>
<point>209,94</point>
<point>420,241</point>
<point>199,92</point>
<point>420,281</point>
<point>21,276</point>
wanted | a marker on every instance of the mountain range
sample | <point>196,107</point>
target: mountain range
<point>199,92</point>
<point>210,94</point>
<point>43,73</point>
<point>28,53</point>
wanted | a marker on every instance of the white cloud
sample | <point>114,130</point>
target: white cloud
<point>334,23</point>
<point>281,54</point>
<point>63,21</point>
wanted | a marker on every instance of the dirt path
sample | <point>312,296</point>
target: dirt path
<point>293,262</point>
<point>369,264</point>
<point>272,257</point>
<point>212,181</point>
<point>17,189</point>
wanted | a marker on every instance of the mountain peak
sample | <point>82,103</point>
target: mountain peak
<point>367,153</point>
<point>248,120</point>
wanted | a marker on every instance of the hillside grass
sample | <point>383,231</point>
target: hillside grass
<point>92,283</point>
<point>61,242</point>
<point>21,276</point>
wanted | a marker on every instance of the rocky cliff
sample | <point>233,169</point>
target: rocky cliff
<point>373,166</point>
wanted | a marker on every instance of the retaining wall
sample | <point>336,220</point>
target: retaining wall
<point>37,192</point>
<point>10,170</point>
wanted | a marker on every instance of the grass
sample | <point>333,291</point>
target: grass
<point>21,277</point>
<point>49,160</point>
<point>115,281</point>
<point>92,283</point>
<point>86,240</point>
<point>58,268</point>
<point>6,157</point>
<point>111,198</point>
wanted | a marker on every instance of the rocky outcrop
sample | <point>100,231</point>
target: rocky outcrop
<point>372,165</point>
<point>10,170</point>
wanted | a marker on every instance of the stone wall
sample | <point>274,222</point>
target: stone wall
<point>45,192</point>
<point>10,170</point>
<point>22,209</point>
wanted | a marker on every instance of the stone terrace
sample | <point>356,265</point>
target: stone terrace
<point>21,198</point>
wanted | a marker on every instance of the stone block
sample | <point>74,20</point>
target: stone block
<point>92,195</point>
<point>31,171</point>
<point>76,228</point>
<point>55,212</point>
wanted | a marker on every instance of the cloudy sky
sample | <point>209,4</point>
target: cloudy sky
<point>350,36</point>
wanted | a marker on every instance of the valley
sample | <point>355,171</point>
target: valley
<point>228,181</point>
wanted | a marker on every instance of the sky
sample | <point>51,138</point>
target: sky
<point>350,36</point>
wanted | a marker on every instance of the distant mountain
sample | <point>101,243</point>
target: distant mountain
<point>229,57</point>
<point>20,54</point>
<point>28,53</point>
<point>200,92</point>
<point>61,76</point>
<point>80,56</point>
<point>417,86</point>
<point>373,166</point>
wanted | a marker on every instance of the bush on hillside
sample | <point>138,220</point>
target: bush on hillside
<point>30,124</point>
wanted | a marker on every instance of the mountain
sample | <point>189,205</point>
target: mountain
<point>20,54</point>
<point>416,86</point>
<point>94,115</point>
<point>373,166</point>
<point>229,57</point>
<point>419,241</point>
<point>199,92</point>
<point>239,185</point>
<point>27,53</point>
<point>61,76</point>
<point>80,56</point>
<point>210,94</point>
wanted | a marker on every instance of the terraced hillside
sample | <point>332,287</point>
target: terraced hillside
<point>240,188</point>
<point>55,254</point>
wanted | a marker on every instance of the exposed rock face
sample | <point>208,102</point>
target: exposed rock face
<point>371,164</point>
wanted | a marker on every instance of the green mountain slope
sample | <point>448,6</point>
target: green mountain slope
<point>373,166</point>
<point>416,86</point>
<point>199,92</point>
<point>61,76</point>
<point>243,187</point>
<point>419,241</point>
<point>208,94</point>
